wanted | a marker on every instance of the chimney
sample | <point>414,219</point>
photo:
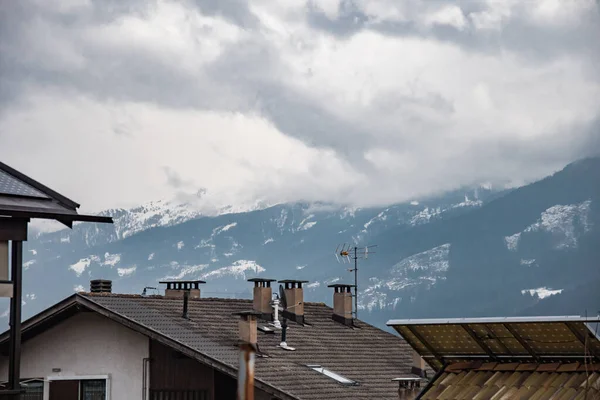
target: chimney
<point>294,297</point>
<point>176,289</point>
<point>100,286</point>
<point>263,294</point>
<point>342,303</point>
<point>247,327</point>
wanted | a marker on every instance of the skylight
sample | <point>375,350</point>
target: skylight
<point>332,375</point>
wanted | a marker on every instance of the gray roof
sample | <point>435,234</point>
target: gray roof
<point>364,354</point>
<point>23,197</point>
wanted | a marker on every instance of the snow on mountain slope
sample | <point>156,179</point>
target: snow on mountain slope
<point>419,271</point>
<point>150,215</point>
<point>237,270</point>
<point>563,222</point>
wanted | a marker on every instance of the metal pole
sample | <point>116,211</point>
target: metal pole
<point>246,373</point>
<point>186,296</point>
<point>355,282</point>
<point>14,368</point>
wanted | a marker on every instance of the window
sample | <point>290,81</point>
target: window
<point>34,389</point>
<point>332,375</point>
<point>93,389</point>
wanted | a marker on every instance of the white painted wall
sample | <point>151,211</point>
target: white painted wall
<point>84,345</point>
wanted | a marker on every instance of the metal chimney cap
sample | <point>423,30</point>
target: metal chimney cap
<point>167,282</point>
<point>262,280</point>
<point>341,285</point>
<point>292,281</point>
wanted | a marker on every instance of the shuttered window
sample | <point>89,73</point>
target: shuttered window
<point>93,389</point>
<point>34,390</point>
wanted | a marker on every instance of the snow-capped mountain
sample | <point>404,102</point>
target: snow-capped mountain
<point>471,252</point>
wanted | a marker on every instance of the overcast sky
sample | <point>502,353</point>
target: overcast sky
<point>118,102</point>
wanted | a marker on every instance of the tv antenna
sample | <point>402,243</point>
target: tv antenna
<point>348,253</point>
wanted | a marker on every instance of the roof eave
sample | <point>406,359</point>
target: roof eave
<point>66,218</point>
<point>43,316</point>
<point>492,320</point>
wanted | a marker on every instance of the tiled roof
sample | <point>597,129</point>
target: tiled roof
<point>365,354</point>
<point>491,381</point>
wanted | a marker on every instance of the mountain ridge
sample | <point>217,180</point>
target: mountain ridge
<point>505,248</point>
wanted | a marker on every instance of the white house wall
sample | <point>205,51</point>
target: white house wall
<point>87,344</point>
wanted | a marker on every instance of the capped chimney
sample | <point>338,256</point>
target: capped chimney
<point>342,303</point>
<point>247,326</point>
<point>294,297</point>
<point>100,286</point>
<point>176,289</point>
<point>262,297</point>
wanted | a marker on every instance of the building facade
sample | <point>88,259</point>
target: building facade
<point>106,346</point>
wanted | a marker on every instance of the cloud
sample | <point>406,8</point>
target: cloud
<point>364,102</point>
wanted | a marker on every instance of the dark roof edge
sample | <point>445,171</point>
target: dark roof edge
<point>490,320</point>
<point>17,212</point>
<point>42,188</point>
<point>42,316</point>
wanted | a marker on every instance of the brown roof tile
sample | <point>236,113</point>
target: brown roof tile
<point>521,383</point>
<point>364,354</point>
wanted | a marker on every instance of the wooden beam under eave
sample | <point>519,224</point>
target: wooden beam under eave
<point>13,228</point>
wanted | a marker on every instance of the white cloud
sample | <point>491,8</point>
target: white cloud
<point>261,102</point>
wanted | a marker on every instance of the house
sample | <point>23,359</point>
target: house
<point>21,199</point>
<point>508,358</point>
<point>180,346</point>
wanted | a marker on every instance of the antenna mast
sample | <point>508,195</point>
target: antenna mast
<point>353,253</point>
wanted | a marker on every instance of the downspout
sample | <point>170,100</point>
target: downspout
<point>246,372</point>
<point>145,362</point>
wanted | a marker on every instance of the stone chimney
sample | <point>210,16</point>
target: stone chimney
<point>294,297</point>
<point>262,297</point>
<point>342,303</point>
<point>247,326</point>
<point>176,289</point>
<point>100,286</point>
